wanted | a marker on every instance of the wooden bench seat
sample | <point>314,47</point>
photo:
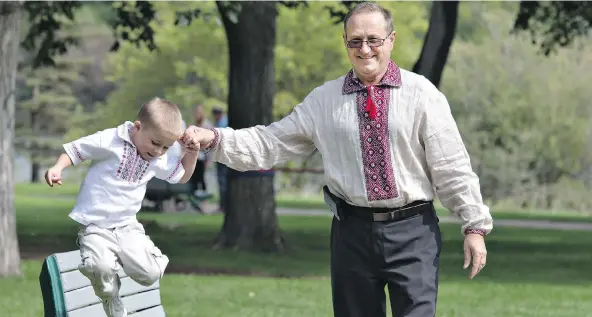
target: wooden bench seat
<point>68,293</point>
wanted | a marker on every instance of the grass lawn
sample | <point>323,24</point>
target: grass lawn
<point>524,267</point>
<point>316,202</point>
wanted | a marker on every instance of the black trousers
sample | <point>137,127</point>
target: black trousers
<point>402,255</point>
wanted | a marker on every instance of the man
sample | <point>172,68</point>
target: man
<point>389,144</point>
<point>198,181</point>
<point>221,121</point>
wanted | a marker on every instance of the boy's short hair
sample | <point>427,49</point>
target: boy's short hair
<point>161,114</point>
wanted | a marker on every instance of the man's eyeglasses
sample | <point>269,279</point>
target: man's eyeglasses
<point>371,42</point>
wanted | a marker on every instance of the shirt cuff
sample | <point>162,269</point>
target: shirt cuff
<point>74,153</point>
<point>214,142</point>
<point>480,232</point>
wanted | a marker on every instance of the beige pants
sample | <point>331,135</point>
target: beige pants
<point>105,251</point>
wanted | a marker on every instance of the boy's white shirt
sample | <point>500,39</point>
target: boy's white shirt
<point>112,191</point>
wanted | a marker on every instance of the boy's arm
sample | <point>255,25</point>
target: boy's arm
<point>90,147</point>
<point>63,162</point>
<point>188,162</point>
<point>54,174</point>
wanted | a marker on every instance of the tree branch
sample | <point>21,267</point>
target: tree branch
<point>554,23</point>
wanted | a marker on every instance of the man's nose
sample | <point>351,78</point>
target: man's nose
<point>365,48</point>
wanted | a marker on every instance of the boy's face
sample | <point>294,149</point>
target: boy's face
<point>152,142</point>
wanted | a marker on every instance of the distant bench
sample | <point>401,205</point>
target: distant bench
<point>68,293</point>
<point>165,195</point>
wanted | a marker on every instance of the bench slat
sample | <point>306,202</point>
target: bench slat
<point>68,261</point>
<point>133,303</point>
<point>157,311</point>
<point>74,280</point>
<point>85,296</point>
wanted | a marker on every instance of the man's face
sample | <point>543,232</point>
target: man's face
<point>368,62</point>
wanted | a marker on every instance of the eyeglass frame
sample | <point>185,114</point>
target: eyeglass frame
<point>379,44</point>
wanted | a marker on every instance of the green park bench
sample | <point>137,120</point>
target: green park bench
<point>68,293</point>
<point>160,192</point>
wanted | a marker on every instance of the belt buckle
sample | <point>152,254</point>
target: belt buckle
<point>385,216</point>
<point>391,214</point>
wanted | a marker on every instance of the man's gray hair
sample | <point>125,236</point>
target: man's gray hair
<point>371,7</point>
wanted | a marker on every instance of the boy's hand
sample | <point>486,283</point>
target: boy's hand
<point>190,140</point>
<point>53,176</point>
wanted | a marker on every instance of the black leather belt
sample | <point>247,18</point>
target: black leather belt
<point>388,214</point>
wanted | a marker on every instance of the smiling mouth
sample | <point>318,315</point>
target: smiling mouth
<point>371,57</point>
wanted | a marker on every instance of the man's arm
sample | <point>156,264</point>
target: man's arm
<point>449,164</point>
<point>262,147</point>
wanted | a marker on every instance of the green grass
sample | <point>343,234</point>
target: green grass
<point>316,202</point>
<point>529,272</point>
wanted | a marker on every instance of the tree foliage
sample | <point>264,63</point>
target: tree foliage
<point>524,127</point>
<point>553,24</point>
<point>189,67</point>
<point>191,64</point>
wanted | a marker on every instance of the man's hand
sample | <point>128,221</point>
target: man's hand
<point>474,247</point>
<point>194,138</point>
<point>53,176</point>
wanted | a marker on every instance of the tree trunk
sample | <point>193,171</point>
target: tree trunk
<point>9,44</point>
<point>35,166</point>
<point>250,220</point>
<point>437,42</point>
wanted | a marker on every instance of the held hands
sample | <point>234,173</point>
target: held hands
<point>194,138</point>
<point>53,176</point>
<point>474,247</point>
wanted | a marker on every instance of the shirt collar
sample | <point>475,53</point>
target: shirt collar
<point>124,132</point>
<point>392,78</point>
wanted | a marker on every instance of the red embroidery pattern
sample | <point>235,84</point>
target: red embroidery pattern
<point>132,166</point>
<point>374,138</point>
<point>175,170</point>
<point>214,142</point>
<point>475,231</point>
<point>374,133</point>
<point>140,170</point>
<point>77,152</point>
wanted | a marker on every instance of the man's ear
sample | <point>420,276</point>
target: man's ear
<point>137,125</point>
<point>393,36</point>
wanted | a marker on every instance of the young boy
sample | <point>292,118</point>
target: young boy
<point>123,160</point>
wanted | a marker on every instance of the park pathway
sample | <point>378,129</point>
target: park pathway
<point>517,223</point>
<point>534,224</point>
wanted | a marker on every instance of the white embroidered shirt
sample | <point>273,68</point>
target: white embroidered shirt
<point>115,184</point>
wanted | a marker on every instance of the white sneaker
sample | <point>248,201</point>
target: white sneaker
<point>114,307</point>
